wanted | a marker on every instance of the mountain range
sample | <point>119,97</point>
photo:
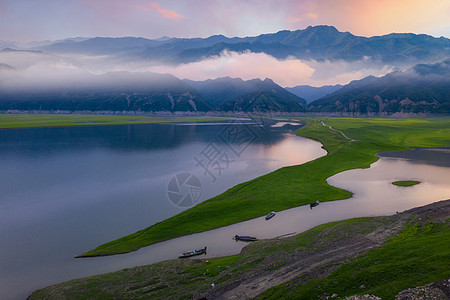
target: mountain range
<point>117,91</point>
<point>43,78</point>
<point>126,91</point>
<point>235,94</point>
<point>424,88</point>
<point>315,42</point>
<point>311,93</point>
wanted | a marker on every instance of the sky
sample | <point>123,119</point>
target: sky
<point>33,20</point>
<point>38,20</point>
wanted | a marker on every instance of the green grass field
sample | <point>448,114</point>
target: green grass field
<point>405,182</point>
<point>11,121</point>
<point>417,256</point>
<point>296,185</point>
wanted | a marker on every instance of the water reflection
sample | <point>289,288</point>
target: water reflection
<point>67,190</point>
<point>374,195</point>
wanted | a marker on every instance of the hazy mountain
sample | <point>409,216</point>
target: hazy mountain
<point>315,42</point>
<point>7,44</point>
<point>310,93</point>
<point>262,102</point>
<point>6,67</point>
<point>102,45</point>
<point>422,89</point>
<point>221,90</point>
<point>119,91</point>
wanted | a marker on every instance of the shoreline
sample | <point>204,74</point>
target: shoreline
<point>266,266</point>
<point>26,121</point>
<point>342,155</point>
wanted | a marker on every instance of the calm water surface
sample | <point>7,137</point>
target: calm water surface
<point>64,191</point>
<point>374,195</point>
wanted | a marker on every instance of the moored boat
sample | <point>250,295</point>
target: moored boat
<point>314,204</point>
<point>193,253</point>
<point>245,238</point>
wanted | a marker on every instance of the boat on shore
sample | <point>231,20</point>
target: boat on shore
<point>314,204</point>
<point>193,253</point>
<point>270,215</point>
<point>245,238</point>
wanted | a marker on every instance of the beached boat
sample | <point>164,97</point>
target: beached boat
<point>245,238</point>
<point>314,204</point>
<point>193,253</point>
<point>270,215</point>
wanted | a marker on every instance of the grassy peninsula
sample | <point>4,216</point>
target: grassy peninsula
<point>405,182</point>
<point>350,143</point>
<point>10,121</point>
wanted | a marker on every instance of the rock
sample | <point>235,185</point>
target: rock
<point>363,297</point>
<point>438,290</point>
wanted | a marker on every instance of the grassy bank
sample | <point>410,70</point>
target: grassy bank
<point>416,253</point>
<point>417,256</point>
<point>297,185</point>
<point>405,182</point>
<point>10,121</point>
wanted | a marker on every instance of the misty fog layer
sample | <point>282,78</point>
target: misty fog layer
<point>28,69</point>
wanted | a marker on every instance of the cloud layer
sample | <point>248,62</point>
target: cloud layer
<point>289,72</point>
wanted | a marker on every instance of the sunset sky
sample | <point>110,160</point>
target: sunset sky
<point>26,20</point>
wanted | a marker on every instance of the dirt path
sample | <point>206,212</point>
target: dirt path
<point>343,134</point>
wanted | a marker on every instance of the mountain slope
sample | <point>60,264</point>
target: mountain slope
<point>422,89</point>
<point>119,91</point>
<point>310,93</point>
<point>220,90</point>
<point>262,102</point>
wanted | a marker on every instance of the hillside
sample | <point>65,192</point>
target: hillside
<point>422,89</point>
<point>262,102</point>
<point>311,93</point>
<point>119,91</point>
<point>227,90</point>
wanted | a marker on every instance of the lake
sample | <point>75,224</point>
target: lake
<point>64,191</point>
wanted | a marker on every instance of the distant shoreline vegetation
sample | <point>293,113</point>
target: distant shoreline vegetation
<point>15,121</point>
<point>405,182</point>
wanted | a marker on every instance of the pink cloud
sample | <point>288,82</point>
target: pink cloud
<point>168,14</point>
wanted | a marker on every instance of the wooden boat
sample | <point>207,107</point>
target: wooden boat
<point>314,204</point>
<point>193,253</point>
<point>270,215</point>
<point>245,238</point>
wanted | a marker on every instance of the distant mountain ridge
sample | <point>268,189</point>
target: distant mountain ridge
<point>118,91</point>
<point>310,93</point>
<point>150,92</point>
<point>422,89</point>
<point>224,89</point>
<point>314,42</point>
